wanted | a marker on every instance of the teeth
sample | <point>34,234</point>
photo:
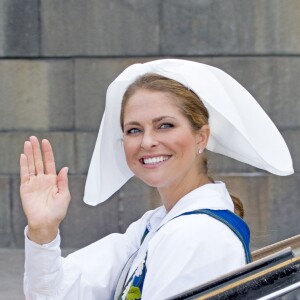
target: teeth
<point>155,160</point>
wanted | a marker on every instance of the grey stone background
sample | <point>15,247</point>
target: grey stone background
<point>58,57</point>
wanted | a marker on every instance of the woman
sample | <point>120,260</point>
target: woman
<point>170,111</point>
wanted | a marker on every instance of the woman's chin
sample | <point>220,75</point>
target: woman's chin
<point>153,182</point>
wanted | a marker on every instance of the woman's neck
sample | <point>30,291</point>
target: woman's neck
<point>172,194</point>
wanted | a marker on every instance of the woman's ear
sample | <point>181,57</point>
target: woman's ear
<point>203,136</point>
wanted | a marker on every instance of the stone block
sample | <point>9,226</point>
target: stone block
<point>271,205</point>
<point>63,144</point>
<point>85,224</point>
<point>135,198</point>
<point>5,212</point>
<point>19,28</point>
<point>36,95</point>
<point>285,91</point>
<point>11,145</point>
<point>60,94</point>
<point>11,273</point>
<point>239,27</point>
<point>292,138</point>
<point>85,143</point>
<point>283,214</point>
<point>18,218</point>
<point>252,190</point>
<point>92,78</point>
<point>2,27</point>
<point>276,26</point>
<point>93,27</point>
<point>218,163</point>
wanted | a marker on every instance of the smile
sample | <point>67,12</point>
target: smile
<point>154,160</point>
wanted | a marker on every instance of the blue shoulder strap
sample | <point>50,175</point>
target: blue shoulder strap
<point>234,222</point>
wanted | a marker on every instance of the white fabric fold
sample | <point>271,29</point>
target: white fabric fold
<point>240,129</point>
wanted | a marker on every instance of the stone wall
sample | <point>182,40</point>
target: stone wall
<point>58,57</point>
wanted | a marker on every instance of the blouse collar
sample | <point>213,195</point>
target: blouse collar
<point>209,196</point>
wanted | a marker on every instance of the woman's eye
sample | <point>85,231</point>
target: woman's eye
<point>133,131</point>
<point>166,125</point>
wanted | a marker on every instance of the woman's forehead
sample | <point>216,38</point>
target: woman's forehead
<point>145,100</point>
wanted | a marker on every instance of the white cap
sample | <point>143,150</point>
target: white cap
<point>239,128</point>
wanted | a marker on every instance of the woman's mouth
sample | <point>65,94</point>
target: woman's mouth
<point>155,160</point>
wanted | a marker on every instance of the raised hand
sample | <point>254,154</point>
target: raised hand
<point>45,195</point>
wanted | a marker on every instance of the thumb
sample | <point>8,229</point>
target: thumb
<point>62,180</point>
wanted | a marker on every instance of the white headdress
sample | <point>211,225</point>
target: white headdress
<point>240,129</point>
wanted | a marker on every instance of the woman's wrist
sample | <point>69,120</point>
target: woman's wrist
<point>42,236</point>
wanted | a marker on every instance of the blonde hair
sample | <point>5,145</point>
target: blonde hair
<point>187,101</point>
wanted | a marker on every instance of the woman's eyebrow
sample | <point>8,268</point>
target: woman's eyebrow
<point>155,120</point>
<point>158,119</point>
<point>132,123</point>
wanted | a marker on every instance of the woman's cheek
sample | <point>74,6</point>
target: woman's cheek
<point>129,148</point>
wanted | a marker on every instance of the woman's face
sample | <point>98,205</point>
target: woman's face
<point>160,146</point>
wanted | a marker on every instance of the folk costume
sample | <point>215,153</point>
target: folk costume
<point>162,253</point>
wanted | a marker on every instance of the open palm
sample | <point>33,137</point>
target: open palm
<point>45,195</point>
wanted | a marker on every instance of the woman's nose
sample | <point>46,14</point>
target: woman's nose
<point>149,140</point>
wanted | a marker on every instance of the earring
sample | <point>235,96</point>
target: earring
<point>200,150</point>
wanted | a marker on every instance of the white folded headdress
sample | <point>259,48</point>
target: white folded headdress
<point>239,127</point>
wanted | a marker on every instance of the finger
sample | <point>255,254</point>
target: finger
<point>49,161</point>
<point>37,155</point>
<point>30,160</point>
<point>62,181</point>
<point>24,172</point>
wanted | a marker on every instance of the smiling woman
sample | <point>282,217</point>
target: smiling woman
<point>170,111</point>
<point>155,93</point>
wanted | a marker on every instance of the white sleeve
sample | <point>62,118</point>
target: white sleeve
<point>187,252</point>
<point>87,274</point>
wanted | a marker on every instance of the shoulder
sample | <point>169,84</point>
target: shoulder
<point>201,224</point>
<point>188,251</point>
<point>197,234</point>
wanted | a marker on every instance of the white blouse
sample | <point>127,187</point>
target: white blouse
<point>184,253</point>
